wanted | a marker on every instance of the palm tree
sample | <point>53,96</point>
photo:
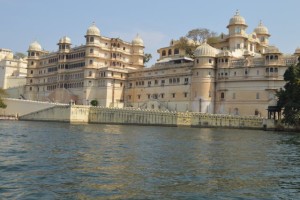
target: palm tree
<point>2,93</point>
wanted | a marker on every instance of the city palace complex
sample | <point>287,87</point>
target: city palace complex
<point>238,74</point>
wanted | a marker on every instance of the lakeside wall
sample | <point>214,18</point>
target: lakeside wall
<point>87,114</point>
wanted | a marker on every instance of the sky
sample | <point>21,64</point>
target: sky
<point>156,21</point>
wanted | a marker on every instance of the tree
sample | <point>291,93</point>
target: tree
<point>185,44</point>
<point>19,55</point>
<point>2,104</point>
<point>94,102</point>
<point>289,97</point>
<point>147,57</point>
<point>199,35</point>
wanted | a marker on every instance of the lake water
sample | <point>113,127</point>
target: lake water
<point>40,160</point>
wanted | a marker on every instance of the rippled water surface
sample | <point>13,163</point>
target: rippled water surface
<point>41,160</point>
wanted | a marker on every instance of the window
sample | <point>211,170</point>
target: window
<point>186,80</point>
<point>162,95</point>
<point>222,95</point>
<point>176,51</point>
<point>91,62</point>
<point>32,62</point>
<point>238,46</point>
<point>149,96</point>
<point>275,69</point>
<point>139,96</point>
<point>257,72</point>
<point>129,97</point>
<point>257,95</point>
<point>162,82</point>
<point>185,94</point>
<point>155,82</point>
<point>91,50</point>
<point>31,72</point>
<point>170,52</point>
<point>173,95</point>
<point>90,73</point>
<point>91,39</point>
<point>163,53</point>
<point>210,61</point>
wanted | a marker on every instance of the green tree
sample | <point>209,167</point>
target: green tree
<point>185,44</point>
<point>147,57</point>
<point>289,97</point>
<point>94,102</point>
<point>2,104</point>
<point>19,55</point>
<point>199,35</point>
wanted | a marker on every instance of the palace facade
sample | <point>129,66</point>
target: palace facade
<point>238,74</point>
<point>13,71</point>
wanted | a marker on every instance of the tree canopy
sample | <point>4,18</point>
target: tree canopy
<point>2,104</point>
<point>147,57</point>
<point>289,97</point>
<point>198,36</point>
<point>19,55</point>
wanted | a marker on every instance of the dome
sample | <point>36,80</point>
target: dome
<point>237,20</point>
<point>261,29</point>
<point>272,49</point>
<point>297,51</point>
<point>35,46</point>
<point>138,41</point>
<point>93,30</point>
<point>205,50</point>
<point>65,39</point>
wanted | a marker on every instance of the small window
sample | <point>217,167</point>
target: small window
<point>139,96</point>
<point>90,73</point>
<point>163,53</point>
<point>185,94</point>
<point>170,52</point>
<point>91,62</point>
<point>222,95</point>
<point>91,50</point>
<point>31,72</point>
<point>149,96</point>
<point>91,39</point>
<point>173,95</point>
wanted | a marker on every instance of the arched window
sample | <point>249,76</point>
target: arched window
<point>176,51</point>
<point>170,52</point>
<point>91,50</point>
<point>163,53</point>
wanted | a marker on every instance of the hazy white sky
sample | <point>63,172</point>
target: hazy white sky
<point>156,21</point>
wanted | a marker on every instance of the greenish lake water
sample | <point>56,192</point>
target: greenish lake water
<point>43,160</point>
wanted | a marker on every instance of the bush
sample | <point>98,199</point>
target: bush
<point>94,102</point>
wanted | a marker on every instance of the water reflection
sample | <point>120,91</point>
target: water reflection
<point>134,162</point>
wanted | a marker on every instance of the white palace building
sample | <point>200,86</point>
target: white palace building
<point>238,74</point>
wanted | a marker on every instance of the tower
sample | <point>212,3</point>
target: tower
<point>237,32</point>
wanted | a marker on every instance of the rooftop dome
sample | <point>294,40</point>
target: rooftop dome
<point>272,49</point>
<point>297,51</point>
<point>205,50</point>
<point>65,39</point>
<point>237,20</point>
<point>35,46</point>
<point>138,41</point>
<point>93,30</point>
<point>261,29</point>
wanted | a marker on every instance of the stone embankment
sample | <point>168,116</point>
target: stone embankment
<point>87,114</point>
